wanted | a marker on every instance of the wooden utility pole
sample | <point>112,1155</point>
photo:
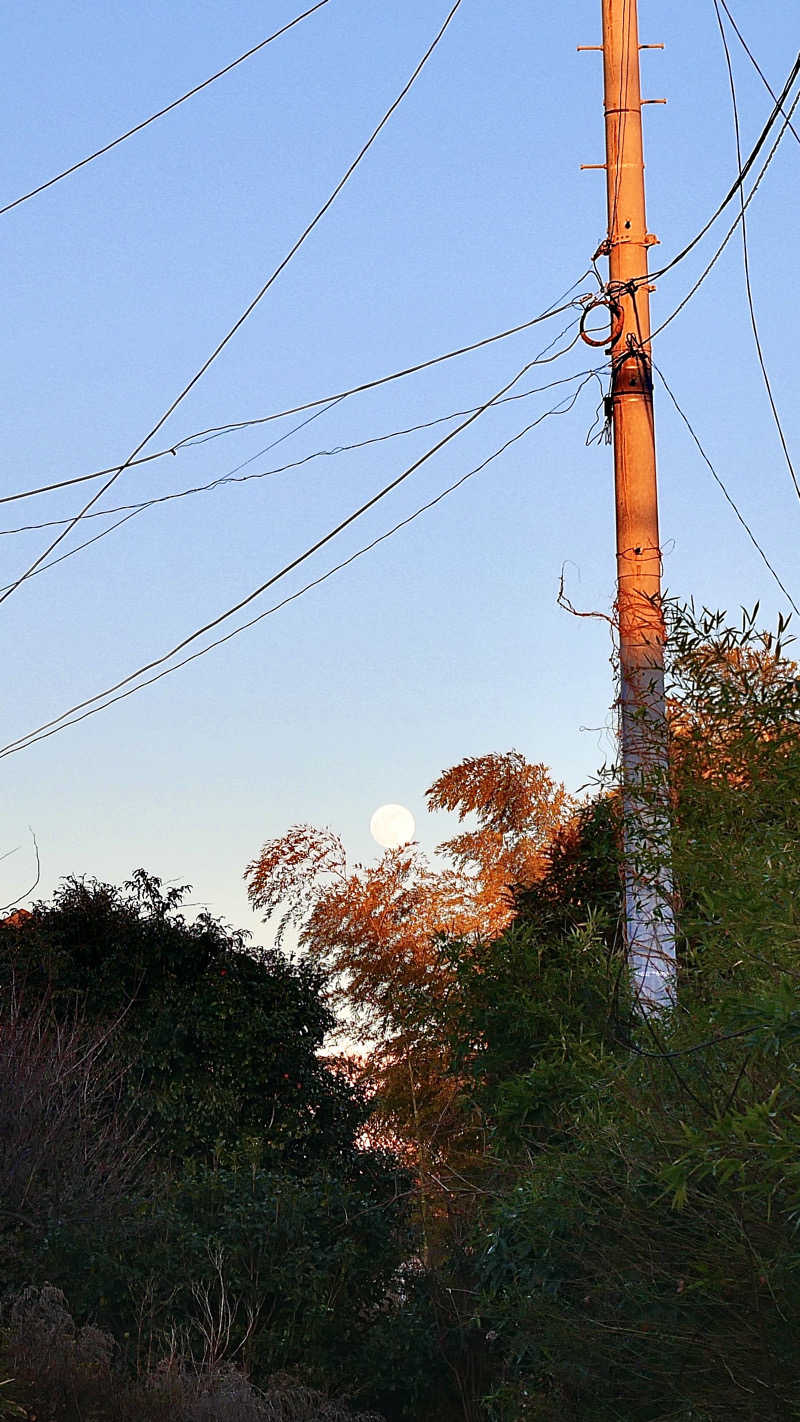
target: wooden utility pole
<point>650,931</point>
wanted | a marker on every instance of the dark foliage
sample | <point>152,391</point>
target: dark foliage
<point>224,1037</point>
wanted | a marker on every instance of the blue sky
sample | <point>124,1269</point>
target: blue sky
<point>469,215</point>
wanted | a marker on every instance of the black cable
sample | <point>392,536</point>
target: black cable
<point>748,530</point>
<point>234,477</point>
<point>746,257</point>
<point>736,185</point>
<point>248,310</point>
<point>733,227</point>
<point>132,510</point>
<point>217,431</point>
<point>52,728</point>
<point>759,71</point>
<point>66,173</point>
<point>624,81</point>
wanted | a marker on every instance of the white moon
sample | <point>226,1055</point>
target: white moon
<point>392,825</point>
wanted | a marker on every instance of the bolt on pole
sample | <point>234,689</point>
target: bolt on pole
<point>649,924</point>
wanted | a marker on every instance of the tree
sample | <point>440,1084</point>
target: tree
<point>223,1038</point>
<point>519,809</point>
<point>636,1253</point>
<point>127,1030</point>
<point>377,930</point>
<point>375,927</point>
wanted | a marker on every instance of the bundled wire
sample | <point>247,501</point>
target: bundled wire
<point>235,477</point>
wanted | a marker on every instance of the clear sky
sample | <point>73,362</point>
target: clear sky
<point>470,214</point>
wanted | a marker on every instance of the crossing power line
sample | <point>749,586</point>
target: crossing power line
<point>123,689</point>
<point>237,325</point>
<point>759,71</point>
<point>746,258</point>
<point>234,427</point>
<point>234,477</point>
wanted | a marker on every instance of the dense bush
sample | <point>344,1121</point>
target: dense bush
<point>171,1143</point>
<point>225,1037</point>
<point>602,1221</point>
<point>67,1374</point>
<point>639,1257</point>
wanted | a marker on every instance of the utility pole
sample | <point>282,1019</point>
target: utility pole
<point>649,925</point>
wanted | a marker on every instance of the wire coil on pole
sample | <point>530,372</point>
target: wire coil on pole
<point>616,319</point>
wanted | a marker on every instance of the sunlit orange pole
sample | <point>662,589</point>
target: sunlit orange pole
<point>648,877</point>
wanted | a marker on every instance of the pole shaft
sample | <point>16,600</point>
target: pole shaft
<point>648,879</point>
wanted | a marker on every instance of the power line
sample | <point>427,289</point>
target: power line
<point>217,431</point>
<point>107,147</point>
<point>61,723</point>
<point>733,227</point>
<point>233,476</point>
<point>249,309</point>
<point>746,258</point>
<point>759,71</point>
<point>132,510</point>
<point>738,181</point>
<point>740,516</point>
<point>301,558</point>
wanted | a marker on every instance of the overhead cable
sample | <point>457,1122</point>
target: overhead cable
<point>746,259</point>
<point>234,477</point>
<point>759,71</point>
<point>137,128</point>
<point>308,552</point>
<point>108,698</point>
<point>740,516</point>
<point>733,227</point>
<point>131,511</point>
<point>215,431</point>
<point>737,183</point>
<point>208,362</point>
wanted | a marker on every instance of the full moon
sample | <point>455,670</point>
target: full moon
<point>391,826</point>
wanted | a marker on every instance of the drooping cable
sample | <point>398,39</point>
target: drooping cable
<point>305,234</point>
<point>746,258</point>
<point>308,552</point>
<point>759,71</point>
<point>215,431</point>
<point>137,128</point>
<point>134,509</point>
<point>235,477</point>
<point>729,498</point>
<point>107,699</point>
<point>737,183</point>
<point>131,511</point>
<point>734,225</point>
